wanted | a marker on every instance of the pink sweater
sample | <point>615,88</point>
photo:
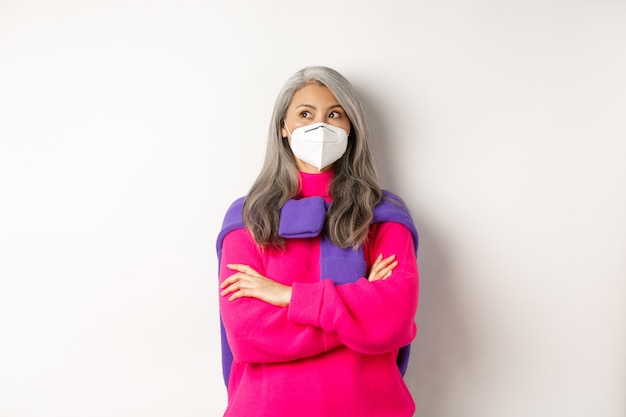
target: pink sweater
<point>332,351</point>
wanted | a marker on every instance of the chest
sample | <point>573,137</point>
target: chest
<point>309,259</point>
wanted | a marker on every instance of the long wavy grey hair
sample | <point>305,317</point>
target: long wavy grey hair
<point>354,188</point>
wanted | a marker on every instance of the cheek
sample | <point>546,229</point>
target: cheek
<point>348,128</point>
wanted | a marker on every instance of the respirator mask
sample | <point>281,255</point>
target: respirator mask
<point>318,144</point>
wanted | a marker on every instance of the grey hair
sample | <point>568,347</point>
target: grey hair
<point>354,188</point>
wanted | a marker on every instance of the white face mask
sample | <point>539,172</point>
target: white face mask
<point>318,144</point>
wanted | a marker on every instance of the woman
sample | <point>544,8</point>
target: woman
<point>318,271</point>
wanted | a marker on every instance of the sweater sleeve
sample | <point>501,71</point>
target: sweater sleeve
<point>258,331</point>
<point>368,317</point>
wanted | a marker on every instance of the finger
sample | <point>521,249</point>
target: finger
<point>380,261</point>
<point>231,288</point>
<point>247,269</point>
<point>245,292</point>
<point>237,295</point>
<point>386,273</point>
<point>227,282</point>
<point>245,283</point>
<point>383,265</point>
<point>376,275</point>
<point>379,266</point>
<point>233,278</point>
<point>388,268</point>
<point>375,269</point>
<point>383,262</point>
<point>237,281</point>
<point>383,273</point>
<point>388,259</point>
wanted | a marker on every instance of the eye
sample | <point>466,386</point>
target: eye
<point>334,115</point>
<point>305,114</point>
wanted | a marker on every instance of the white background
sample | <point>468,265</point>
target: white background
<point>128,127</point>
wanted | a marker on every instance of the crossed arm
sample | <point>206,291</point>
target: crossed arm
<point>267,321</point>
<point>247,282</point>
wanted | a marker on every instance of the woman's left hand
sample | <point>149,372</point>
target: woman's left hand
<point>382,268</point>
<point>247,282</point>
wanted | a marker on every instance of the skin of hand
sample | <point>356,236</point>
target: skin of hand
<point>247,282</point>
<point>382,268</point>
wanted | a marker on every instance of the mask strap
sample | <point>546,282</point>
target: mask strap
<point>286,128</point>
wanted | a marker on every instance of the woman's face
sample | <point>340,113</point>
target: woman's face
<point>314,103</point>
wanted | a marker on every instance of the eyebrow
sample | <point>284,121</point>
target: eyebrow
<point>315,108</point>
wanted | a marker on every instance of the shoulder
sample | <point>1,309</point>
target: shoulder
<point>234,214</point>
<point>392,208</point>
<point>233,220</point>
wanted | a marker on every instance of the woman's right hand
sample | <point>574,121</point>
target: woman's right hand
<point>382,268</point>
<point>247,282</point>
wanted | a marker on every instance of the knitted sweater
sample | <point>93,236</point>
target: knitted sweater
<point>333,350</point>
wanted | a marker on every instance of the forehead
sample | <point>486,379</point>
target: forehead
<point>314,94</point>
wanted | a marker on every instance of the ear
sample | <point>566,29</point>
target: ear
<point>283,131</point>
